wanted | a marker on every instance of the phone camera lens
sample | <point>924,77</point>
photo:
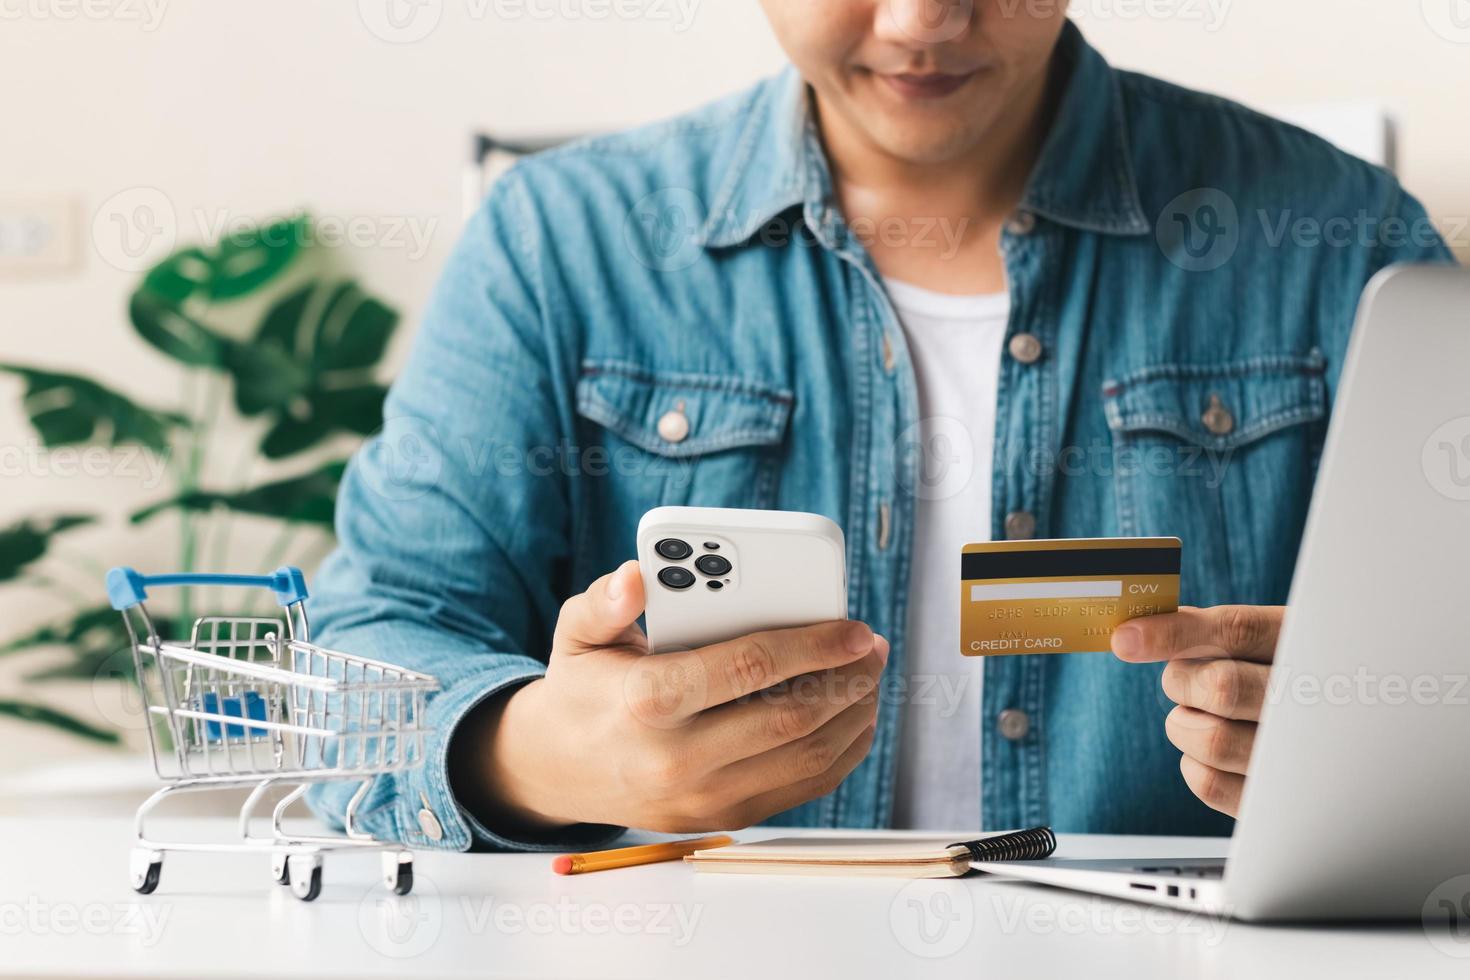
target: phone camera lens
<point>676,577</point>
<point>712,565</point>
<point>673,549</point>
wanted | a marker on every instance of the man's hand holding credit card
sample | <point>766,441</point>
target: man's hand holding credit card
<point>1066,596</point>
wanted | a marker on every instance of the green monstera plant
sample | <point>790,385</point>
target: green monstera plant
<point>305,369</point>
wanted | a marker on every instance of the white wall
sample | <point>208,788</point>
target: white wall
<point>262,106</point>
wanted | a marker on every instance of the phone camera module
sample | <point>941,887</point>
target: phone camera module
<point>676,577</point>
<point>673,549</point>
<point>714,566</point>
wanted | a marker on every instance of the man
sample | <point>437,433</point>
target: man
<point>1083,296</point>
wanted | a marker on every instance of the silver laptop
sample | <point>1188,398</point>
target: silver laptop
<point>1357,804</point>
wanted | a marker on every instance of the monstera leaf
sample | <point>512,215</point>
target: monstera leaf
<point>41,715</point>
<point>311,366</point>
<point>23,543</point>
<point>67,410</point>
<point>239,265</point>
<point>308,499</point>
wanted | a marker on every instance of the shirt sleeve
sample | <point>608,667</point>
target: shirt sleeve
<point>453,527</point>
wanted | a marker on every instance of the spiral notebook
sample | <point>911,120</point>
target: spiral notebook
<point>915,857</point>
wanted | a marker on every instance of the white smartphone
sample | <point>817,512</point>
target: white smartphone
<point>711,574</point>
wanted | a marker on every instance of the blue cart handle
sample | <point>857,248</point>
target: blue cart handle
<point>126,588</point>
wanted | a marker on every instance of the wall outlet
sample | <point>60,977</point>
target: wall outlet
<point>38,235</point>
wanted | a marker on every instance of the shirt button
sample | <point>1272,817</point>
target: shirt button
<point>1020,526</point>
<point>673,426</point>
<point>430,825</point>
<point>1021,223</point>
<point>1025,348</point>
<point>1217,418</point>
<point>1014,724</point>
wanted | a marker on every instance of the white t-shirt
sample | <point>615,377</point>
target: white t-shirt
<point>955,342</point>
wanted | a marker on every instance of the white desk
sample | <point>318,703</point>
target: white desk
<point>66,909</point>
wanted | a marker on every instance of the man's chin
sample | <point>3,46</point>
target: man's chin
<point>926,145</point>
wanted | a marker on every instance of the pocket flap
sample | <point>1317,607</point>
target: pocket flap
<point>1220,406</point>
<point>719,412</point>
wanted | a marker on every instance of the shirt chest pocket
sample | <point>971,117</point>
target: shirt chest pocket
<point>679,438</point>
<point>1223,456</point>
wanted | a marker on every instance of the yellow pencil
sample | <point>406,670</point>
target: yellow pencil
<point>627,857</point>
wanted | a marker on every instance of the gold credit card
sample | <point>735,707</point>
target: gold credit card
<point>1062,596</point>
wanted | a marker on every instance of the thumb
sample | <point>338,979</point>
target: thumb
<point>604,615</point>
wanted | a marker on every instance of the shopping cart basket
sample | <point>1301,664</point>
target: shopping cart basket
<point>250,703</point>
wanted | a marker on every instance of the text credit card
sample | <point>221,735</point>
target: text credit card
<point>1062,596</point>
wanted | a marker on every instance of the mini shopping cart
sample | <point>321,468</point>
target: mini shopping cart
<point>250,703</point>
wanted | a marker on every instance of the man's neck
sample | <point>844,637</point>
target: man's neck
<point>964,201</point>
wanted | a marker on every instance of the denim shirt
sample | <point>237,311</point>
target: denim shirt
<point>1188,269</point>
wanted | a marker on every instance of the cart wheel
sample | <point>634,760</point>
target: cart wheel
<point>398,872</point>
<point>281,869</point>
<point>146,867</point>
<point>404,884</point>
<point>307,886</point>
<point>149,884</point>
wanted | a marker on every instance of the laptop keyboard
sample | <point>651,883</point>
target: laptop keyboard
<point>1193,871</point>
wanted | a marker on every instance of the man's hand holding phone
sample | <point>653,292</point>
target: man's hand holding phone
<point>714,738</point>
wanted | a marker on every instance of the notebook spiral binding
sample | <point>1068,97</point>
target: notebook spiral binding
<point>1023,845</point>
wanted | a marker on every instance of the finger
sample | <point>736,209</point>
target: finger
<point>758,808</point>
<point>1215,742</point>
<point>1217,790</point>
<point>1237,632</point>
<point>605,615</point>
<point>792,710</point>
<point>1234,689</point>
<point>726,671</point>
<point>796,762</point>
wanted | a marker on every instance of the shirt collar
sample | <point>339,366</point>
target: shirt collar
<point>1084,177</point>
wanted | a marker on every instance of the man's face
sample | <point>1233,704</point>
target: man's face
<point>923,80</point>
